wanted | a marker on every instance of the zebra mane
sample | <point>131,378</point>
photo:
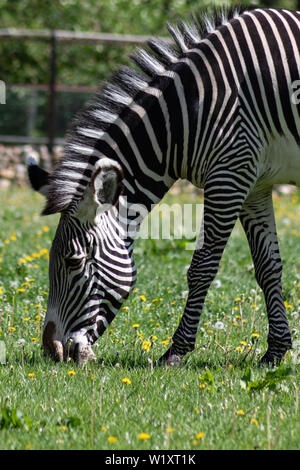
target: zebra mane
<point>72,174</point>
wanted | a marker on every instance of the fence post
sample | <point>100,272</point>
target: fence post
<point>52,93</point>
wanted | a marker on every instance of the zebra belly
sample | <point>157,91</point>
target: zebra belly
<point>281,162</point>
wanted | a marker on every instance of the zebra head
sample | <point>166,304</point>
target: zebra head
<point>91,267</point>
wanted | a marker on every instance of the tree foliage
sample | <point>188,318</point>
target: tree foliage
<point>28,61</point>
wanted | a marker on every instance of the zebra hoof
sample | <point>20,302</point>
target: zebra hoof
<point>269,360</point>
<point>170,359</point>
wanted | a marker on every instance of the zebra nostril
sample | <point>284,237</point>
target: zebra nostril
<point>79,352</point>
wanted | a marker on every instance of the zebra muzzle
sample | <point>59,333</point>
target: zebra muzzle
<point>78,351</point>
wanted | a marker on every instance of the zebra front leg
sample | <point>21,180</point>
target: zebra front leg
<point>224,196</point>
<point>257,218</point>
<point>200,275</point>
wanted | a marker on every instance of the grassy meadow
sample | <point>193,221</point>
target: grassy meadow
<point>218,399</point>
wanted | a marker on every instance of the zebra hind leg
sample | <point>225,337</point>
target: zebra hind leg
<point>258,221</point>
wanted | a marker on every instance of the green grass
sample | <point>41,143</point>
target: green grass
<point>218,399</point>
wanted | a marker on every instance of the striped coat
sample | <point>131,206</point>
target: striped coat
<point>219,108</point>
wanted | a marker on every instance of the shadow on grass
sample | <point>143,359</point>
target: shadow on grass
<point>190,362</point>
<point>131,360</point>
<point>126,361</point>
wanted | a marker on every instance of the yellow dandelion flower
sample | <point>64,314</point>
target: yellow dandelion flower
<point>25,284</point>
<point>143,298</point>
<point>31,374</point>
<point>11,328</point>
<point>200,435</point>
<point>238,299</point>
<point>164,341</point>
<point>126,380</point>
<point>254,421</point>
<point>146,345</point>
<point>255,335</point>
<point>112,439</point>
<point>240,412</point>
<point>143,436</point>
<point>202,386</point>
<point>34,339</point>
<point>26,319</point>
<point>46,228</point>
<point>197,411</point>
<point>21,290</point>
<point>243,343</point>
<point>71,372</point>
<point>103,428</point>
<point>169,430</point>
<point>135,325</point>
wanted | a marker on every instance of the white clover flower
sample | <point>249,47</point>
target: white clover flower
<point>219,325</point>
<point>21,341</point>
<point>217,283</point>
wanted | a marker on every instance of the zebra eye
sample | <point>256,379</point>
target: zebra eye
<point>74,263</point>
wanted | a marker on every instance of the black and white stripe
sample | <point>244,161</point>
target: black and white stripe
<point>214,108</point>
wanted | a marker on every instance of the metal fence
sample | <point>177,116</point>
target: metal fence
<point>48,94</point>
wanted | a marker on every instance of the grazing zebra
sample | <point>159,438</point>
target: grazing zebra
<point>218,108</point>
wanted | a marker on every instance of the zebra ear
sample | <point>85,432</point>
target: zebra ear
<point>39,178</point>
<point>103,191</point>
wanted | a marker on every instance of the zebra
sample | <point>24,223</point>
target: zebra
<point>216,106</point>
